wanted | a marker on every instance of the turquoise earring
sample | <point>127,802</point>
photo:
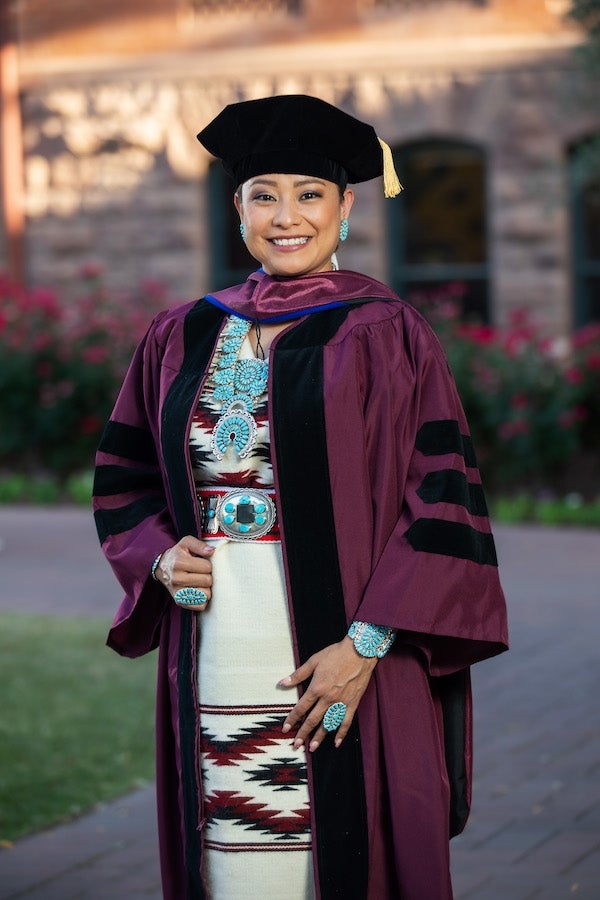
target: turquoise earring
<point>344,229</point>
<point>243,231</point>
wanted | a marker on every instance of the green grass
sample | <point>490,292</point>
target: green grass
<point>569,510</point>
<point>46,490</point>
<point>76,721</point>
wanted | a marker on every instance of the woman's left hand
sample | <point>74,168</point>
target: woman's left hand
<point>338,674</point>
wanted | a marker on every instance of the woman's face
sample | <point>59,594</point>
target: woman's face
<point>292,222</point>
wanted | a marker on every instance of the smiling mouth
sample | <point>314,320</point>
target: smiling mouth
<point>289,242</point>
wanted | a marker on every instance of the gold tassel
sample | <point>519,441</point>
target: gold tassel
<point>391,184</point>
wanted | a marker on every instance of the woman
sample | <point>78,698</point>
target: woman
<point>288,494</point>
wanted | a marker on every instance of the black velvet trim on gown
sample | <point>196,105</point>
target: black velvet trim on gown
<point>300,450</point>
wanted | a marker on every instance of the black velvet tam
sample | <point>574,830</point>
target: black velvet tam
<point>293,134</point>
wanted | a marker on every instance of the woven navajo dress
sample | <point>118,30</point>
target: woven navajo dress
<point>257,834</point>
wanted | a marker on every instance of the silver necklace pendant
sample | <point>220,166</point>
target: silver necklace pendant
<point>236,428</point>
<point>238,384</point>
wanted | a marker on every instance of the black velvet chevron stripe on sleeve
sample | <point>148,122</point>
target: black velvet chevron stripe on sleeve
<point>450,486</point>
<point>447,538</point>
<point>110,480</point>
<point>443,436</point>
<point>128,441</point>
<point>123,518</point>
<point>452,539</point>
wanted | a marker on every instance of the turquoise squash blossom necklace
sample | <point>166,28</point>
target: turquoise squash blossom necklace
<point>238,384</point>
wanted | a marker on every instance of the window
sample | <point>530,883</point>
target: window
<point>230,261</point>
<point>585,206</point>
<point>437,242</point>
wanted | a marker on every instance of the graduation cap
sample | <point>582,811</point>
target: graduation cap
<point>300,135</point>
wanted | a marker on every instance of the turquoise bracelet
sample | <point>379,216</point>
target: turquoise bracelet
<point>371,640</point>
<point>155,566</point>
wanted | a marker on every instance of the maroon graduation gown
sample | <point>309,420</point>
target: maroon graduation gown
<point>383,519</point>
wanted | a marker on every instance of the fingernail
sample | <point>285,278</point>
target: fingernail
<point>285,682</point>
<point>208,550</point>
<point>313,746</point>
<point>338,742</point>
<point>286,728</point>
<point>297,744</point>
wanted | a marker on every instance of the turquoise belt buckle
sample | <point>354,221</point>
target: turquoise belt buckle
<point>245,515</point>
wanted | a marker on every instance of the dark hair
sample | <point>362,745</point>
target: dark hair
<point>341,179</point>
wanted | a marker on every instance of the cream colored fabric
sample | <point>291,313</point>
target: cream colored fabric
<point>257,834</point>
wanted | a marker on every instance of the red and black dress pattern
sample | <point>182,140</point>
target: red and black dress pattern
<point>265,806</point>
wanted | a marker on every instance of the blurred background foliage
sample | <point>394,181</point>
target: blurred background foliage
<point>61,365</point>
<point>532,401</point>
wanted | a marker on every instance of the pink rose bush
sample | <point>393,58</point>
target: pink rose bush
<point>61,365</point>
<point>532,404</point>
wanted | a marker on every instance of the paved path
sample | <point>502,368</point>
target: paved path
<point>535,825</point>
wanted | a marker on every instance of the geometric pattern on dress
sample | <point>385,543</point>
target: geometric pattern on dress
<point>256,789</point>
<point>251,816</point>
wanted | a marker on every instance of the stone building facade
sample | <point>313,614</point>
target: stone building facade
<point>482,103</point>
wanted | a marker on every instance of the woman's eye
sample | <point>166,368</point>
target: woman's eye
<point>262,197</point>
<point>310,195</point>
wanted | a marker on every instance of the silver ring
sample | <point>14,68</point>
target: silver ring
<point>334,716</point>
<point>190,597</point>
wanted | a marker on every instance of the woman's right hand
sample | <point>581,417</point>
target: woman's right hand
<point>186,564</point>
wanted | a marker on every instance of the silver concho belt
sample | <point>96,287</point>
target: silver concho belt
<point>240,514</point>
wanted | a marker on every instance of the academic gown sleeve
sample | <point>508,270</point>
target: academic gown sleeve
<point>433,573</point>
<point>130,503</point>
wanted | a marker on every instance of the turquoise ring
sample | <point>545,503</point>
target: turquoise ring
<point>334,716</point>
<point>190,597</point>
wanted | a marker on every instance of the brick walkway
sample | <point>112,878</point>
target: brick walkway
<point>535,825</point>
